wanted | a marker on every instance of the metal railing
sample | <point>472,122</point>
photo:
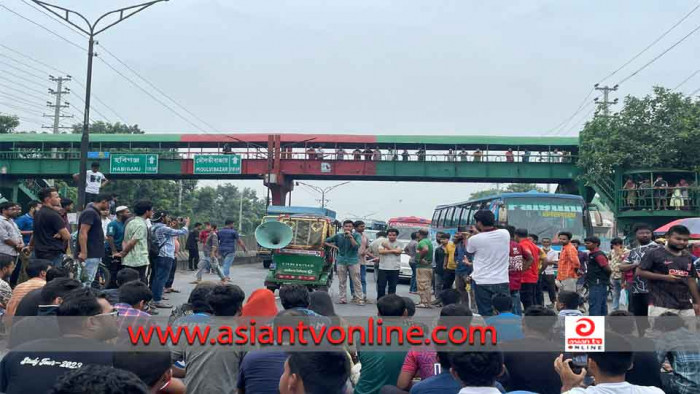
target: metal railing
<point>382,156</point>
<point>680,198</point>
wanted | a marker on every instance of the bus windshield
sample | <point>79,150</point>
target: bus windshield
<point>547,216</point>
<point>405,232</point>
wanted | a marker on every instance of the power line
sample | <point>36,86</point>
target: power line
<point>23,70</point>
<point>24,79</point>
<point>44,28</point>
<point>22,85</point>
<point>659,38</point>
<point>30,58</point>
<point>657,57</point>
<point>22,108</point>
<point>556,129</point>
<point>149,83</point>
<point>22,91</point>
<point>687,79</point>
<point>151,95</point>
<point>54,18</point>
<point>21,100</point>
<point>53,69</point>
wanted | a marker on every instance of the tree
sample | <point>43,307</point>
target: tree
<point>660,130</point>
<point>101,127</point>
<point>512,188</point>
<point>8,123</point>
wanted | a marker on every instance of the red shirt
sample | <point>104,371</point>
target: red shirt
<point>515,265</point>
<point>532,273</point>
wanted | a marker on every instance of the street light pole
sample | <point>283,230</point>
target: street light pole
<point>65,14</point>
<point>323,191</point>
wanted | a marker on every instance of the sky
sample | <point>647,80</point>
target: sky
<point>418,67</point>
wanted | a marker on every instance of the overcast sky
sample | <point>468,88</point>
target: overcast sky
<point>360,66</point>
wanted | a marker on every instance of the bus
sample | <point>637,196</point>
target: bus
<point>407,225</point>
<point>542,214</point>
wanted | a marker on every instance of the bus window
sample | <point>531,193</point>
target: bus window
<point>441,217</point>
<point>448,218</point>
<point>436,216</point>
<point>459,214</point>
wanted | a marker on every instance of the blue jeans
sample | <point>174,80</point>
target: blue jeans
<point>91,266</point>
<point>363,280</point>
<point>598,300</point>
<point>162,272</point>
<point>228,260</point>
<point>414,286</point>
<point>484,294</point>
<point>517,307</point>
<point>616,290</point>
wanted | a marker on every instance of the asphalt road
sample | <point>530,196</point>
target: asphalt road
<point>250,277</point>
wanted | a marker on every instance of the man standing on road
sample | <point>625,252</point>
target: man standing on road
<point>424,268</point>
<point>115,239</point>
<point>639,295</point>
<point>25,223</point>
<point>389,264</point>
<point>364,253</point>
<point>463,270</point>
<point>135,245</point>
<point>228,239</point>
<point>347,244</point>
<point>210,251</point>
<point>531,268</point>
<point>491,250</point>
<point>568,263</point>
<point>91,237</point>
<point>163,263</point>
<point>50,236</point>
<point>597,278</point>
<point>94,181</point>
<point>193,247</point>
<point>548,270</point>
<point>672,276</point>
<point>11,243</point>
<point>410,250</point>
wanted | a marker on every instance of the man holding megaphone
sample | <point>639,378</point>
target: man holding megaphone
<point>347,244</point>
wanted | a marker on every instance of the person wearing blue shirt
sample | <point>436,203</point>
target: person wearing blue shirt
<point>442,382</point>
<point>464,268</point>
<point>164,238</point>
<point>25,223</point>
<point>114,239</point>
<point>507,324</point>
<point>228,239</point>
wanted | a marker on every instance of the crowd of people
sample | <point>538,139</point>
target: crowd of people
<point>659,195</point>
<point>63,334</point>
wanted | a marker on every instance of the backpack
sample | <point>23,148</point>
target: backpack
<point>153,246</point>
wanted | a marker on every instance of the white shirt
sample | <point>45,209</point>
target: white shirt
<point>491,250</point>
<point>616,388</point>
<point>390,262</point>
<point>9,231</point>
<point>552,255</point>
<point>479,390</point>
<point>105,223</point>
<point>93,182</point>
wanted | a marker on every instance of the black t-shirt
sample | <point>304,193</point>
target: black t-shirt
<point>29,328</point>
<point>522,375</point>
<point>26,370</point>
<point>29,306</point>
<point>667,294</point>
<point>439,259</point>
<point>96,237</point>
<point>47,223</point>
<point>645,366</point>
<point>192,240</point>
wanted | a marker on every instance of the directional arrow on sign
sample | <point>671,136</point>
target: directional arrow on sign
<point>151,159</point>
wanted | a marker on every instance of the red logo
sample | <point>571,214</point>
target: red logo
<point>585,327</point>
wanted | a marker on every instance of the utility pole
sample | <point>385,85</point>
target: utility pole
<point>240,213</point>
<point>322,191</point>
<point>179,197</point>
<point>58,105</point>
<point>605,104</point>
<point>91,30</point>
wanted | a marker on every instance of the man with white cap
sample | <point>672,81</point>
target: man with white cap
<point>115,237</point>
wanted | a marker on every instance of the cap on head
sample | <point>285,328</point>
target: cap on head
<point>121,208</point>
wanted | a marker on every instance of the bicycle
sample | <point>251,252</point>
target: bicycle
<point>76,270</point>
